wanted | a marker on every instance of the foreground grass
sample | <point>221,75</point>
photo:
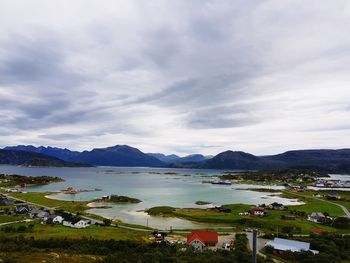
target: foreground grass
<point>48,257</point>
<point>40,231</point>
<point>11,218</point>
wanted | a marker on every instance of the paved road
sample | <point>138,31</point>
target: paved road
<point>346,211</point>
<point>14,222</point>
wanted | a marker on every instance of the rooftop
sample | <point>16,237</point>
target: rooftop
<point>292,245</point>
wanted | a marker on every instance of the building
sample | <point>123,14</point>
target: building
<point>22,209</point>
<point>333,197</point>
<point>222,209</point>
<point>159,236</point>
<point>76,223</point>
<point>53,219</point>
<point>276,206</point>
<point>281,245</point>
<point>257,211</point>
<point>317,217</point>
<point>5,202</point>
<point>36,213</point>
<point>201,239</point>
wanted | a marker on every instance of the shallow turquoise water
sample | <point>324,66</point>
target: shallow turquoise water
<point>154,186</point>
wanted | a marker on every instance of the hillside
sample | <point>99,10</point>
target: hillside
<point>26,158</point>
<point>119,155</point>
<point>172,158</point>
<point>330,161</point>
<point>63,154</point>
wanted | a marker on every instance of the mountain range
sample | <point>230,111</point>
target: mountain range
<point>331,161</point>
<point>173,158</point>
<point>28,158</point>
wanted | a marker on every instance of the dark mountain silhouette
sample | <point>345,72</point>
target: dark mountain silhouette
<point>63,154</point>
<point>331,161</point>
<point>27,158</point>
<point>195,158</point>
<point>119,155</point>
<point>165,158</point>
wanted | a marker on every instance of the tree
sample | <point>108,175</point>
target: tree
<point>107,222</point>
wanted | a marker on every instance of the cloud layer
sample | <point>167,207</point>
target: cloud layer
<point>175,76</point>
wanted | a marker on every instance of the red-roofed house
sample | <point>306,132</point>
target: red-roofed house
<point>200,239</point>
<point>257,211</point>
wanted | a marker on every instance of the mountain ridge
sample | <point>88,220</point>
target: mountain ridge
<point>27,158</point>
<point>326,160</point>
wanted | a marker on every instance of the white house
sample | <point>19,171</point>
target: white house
<point>281,245</point>
<point>77,223</point>
<point>55,219</point>
<point>316,217</point>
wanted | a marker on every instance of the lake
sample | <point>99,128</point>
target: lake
<point>154,186</point>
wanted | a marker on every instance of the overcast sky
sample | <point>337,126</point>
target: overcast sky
<point>176,76</point>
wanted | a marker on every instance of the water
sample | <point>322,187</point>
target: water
<point>154,186</point>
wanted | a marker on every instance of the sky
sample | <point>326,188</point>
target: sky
<point>184,76</point>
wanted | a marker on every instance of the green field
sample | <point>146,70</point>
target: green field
<point>56,257</point>
<point>314,204</point>
<point>10,218</point>
<point>40,231</point>
<point>39,198</point>
<point>272,222</point>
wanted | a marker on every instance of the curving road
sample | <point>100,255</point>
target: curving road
<point>346,211</point>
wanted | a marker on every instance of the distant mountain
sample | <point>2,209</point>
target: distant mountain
<point>27,158</point>
<point>330,161</point>
<point>63,154</point>
<point>193,158</point>
<point>165,158</point>
<point>233,160</point>
<point>119,155</point>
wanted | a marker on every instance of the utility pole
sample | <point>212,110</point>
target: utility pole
<point>255,232</point>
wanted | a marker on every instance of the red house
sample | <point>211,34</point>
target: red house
<point>258,211</point>
<point>200,239</point>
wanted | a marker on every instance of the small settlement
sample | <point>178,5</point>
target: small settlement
<point>46,217</point>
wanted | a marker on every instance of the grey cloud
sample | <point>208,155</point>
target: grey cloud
<point>39,61</point>
<point>223,117</point>
<point>156,72</point>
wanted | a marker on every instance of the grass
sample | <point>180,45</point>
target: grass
<point>59,231</point>
<point>161,210</point>
<point>312,204</point>
<point>24,257</point>
<point>10,218</point>
<point>272,222</point>
<point>40,199</point>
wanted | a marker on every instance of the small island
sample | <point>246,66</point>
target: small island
<point>302,177</point>
<point>161,211</point>
<point>118,199</point>
<point>202,203</point>
<point>15,180</point>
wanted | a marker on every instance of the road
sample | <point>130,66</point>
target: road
<point>14,222</point>
<point>346,211</point>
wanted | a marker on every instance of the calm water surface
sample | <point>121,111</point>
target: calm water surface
<point>154,186</point>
